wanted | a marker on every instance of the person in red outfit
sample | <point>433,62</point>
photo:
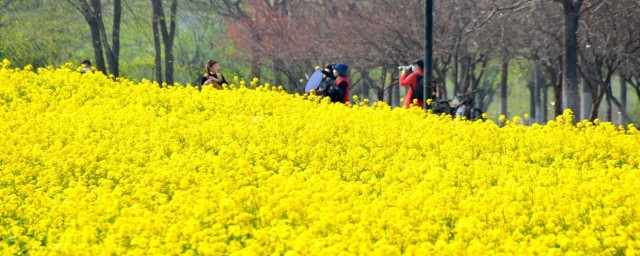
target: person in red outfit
<point>410,80</point>
<point>339,92</point>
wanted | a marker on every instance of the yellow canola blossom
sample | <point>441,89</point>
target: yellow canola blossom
<point>90,165</point>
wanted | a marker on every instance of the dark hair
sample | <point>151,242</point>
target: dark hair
<point>420,63</point>
<point>209,64</point>
<point>86,62</point>
<point>330,72</point>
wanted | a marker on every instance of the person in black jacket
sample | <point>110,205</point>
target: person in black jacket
<point>328,80</point>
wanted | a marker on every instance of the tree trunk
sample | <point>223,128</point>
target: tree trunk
<point>255,65</point>
<point>397,92</point>
<point>157,47</point>
<point>389,94</point>
<point>558,86</point>
<point>111,60</point>
<point>366,86</point>
<point>503,87</point>
<point>365,90</point>
<point>545,104</point>
<point>383,84</point>
<point>532,99</point>
<point>292,85</point>
<point>596,104</point>
<point>455,73</point>
<point>464,74</point>
<point>277,76</point>
<point>91,17</point>
<point>168,35</point>
<point>167,39</point>
<point>609,95</point>
<point>636,86</point>
<point>586,100</point>
<point>570,93</point>
<point>537,88</point>
<point>115,37</point>
<point>256,59</point>
<point>394,95</point>
<point>168,44</point>
<point>623,100</point>
<point>554,68</point>
<point>97,45</point>
<point>442,86</point>
<point>394,89</point>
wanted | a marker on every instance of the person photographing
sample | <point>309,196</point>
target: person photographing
<point>328,80</point>
<point>410,78</point>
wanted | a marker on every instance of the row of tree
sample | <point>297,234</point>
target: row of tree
<point>167,41</point>
<point>572,53</point>
<point>566,42</point>
<point>103,44</point>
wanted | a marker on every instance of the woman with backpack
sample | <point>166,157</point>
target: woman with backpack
<point>410,80</point>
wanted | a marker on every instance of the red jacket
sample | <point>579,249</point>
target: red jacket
<point>411,81</point>
<point>345,99</point>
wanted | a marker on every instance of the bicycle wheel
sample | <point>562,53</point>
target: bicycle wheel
<point>475,114</point>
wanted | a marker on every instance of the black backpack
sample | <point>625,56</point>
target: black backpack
<point>418,92</point>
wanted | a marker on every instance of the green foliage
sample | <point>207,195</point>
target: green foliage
<point>40,34</point>
<point>44,32</point>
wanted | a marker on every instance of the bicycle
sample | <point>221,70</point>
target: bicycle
<point>458,106</point>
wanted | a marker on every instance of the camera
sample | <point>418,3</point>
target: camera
<point>404,67</point>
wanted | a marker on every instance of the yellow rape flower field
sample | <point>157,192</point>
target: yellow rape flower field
<point>93,166</point>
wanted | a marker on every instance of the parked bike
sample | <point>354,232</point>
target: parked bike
<point>458,106</point>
